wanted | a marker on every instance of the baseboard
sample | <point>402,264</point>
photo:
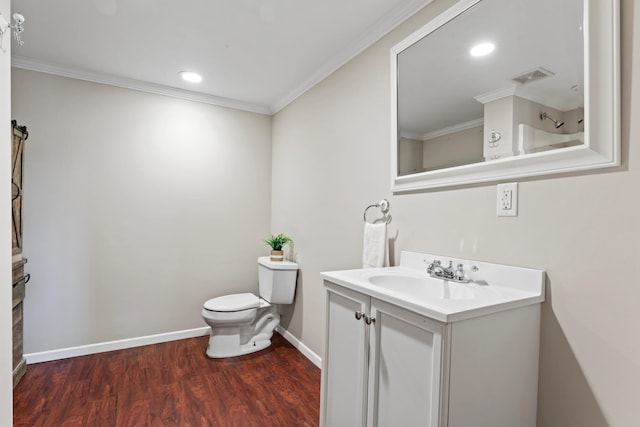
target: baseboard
<point>63,353</point>
<point>314,358</point>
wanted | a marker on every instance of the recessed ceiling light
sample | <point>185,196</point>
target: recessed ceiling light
<point>190,76</point>
<point>482,49</point>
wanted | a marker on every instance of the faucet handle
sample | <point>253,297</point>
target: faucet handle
<point>459,273</point>
<point>432,265</point>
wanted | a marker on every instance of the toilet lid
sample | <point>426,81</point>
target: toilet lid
<point>233,302</point>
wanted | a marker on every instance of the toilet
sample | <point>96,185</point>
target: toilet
<point>244,323</point>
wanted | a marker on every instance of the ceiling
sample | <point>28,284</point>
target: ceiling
<point>442,86</point>
<point>256,55</point>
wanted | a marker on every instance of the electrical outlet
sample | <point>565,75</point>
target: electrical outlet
<point>507,199</point>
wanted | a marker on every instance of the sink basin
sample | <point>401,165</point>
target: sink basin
<point>495,287</point>
<point>427,287</point>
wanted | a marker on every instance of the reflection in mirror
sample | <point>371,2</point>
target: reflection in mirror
<point>504,78</point>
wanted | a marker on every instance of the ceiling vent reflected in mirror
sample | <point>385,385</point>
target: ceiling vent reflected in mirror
<point>533,75</point>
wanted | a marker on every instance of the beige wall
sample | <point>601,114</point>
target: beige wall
<point>459,148</point>
<point>582,229</point>
<point>410,153</point>
<point>6,346</point>
<point>137,209</point>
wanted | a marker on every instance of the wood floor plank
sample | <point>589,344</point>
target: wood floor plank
<point>172,384</point>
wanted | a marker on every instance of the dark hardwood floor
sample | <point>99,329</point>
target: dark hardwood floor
<point>172,384</point>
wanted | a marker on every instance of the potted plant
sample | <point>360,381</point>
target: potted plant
<point>276,243</point>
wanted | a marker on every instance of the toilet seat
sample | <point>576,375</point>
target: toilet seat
<point>232,302</point>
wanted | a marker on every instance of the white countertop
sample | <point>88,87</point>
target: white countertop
<point>497,287</point>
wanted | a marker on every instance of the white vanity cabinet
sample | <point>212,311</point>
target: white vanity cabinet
<point>395,359</point>
<point>386,373</point>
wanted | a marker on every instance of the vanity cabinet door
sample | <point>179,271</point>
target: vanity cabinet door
<point>406,368</point>
<point>344,366</point>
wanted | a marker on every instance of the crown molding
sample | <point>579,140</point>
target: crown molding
<point>411,135</point>
<point>452,129</point>
<point>375,32</point>
<point>494,95</point>
<point>139,85</point>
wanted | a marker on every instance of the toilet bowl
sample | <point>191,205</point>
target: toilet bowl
<point>244,323</point>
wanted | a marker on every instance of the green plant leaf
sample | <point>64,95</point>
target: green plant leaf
<point>277,242</point>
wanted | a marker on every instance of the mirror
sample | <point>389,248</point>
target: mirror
<point>542,99</point>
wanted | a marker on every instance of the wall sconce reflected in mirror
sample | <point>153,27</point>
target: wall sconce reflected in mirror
<point>17,28</point>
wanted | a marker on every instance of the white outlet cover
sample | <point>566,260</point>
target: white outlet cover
<point>507,199</point>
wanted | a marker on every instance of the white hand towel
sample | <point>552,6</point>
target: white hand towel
<point>375,252</point>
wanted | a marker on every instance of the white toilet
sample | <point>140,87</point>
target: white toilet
<point>244,323</point>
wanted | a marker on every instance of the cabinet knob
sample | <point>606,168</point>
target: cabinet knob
<point>359,315</point>
<point>369,320</point>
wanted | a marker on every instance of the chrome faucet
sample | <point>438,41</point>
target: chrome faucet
<point>436,270</point>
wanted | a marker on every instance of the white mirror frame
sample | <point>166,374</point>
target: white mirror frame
<point>602,111</point>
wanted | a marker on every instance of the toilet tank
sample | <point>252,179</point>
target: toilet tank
<point>277,280</point>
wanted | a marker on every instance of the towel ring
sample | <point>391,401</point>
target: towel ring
<point>384,208</point>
